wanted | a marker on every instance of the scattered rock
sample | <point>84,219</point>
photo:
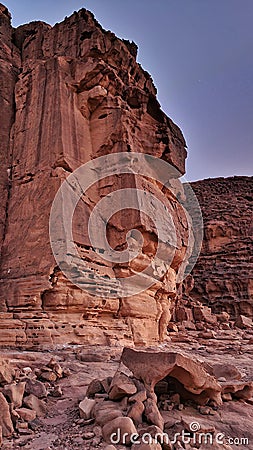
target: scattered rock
<point>140,396</point>
<point>204,314</point>
<point>36,404</point>
<point>243,322</point>
<point>55,366</point>
<point>95,387</point>
<point>172,327</point>
<point>135,412</point>
<point>15,393</point>
<point>7,371</point>
<point>121,386</point>
<point>106,383</point>
<point>88,435</point>
<point>36,388</point>
<point>47,374</point>
<point>85,408</point>
<point>105,412</point>
<point>207,335</point>
<point>56,391</point>
<point>26,414</point>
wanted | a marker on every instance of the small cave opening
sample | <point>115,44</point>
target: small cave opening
<point>171,394</point>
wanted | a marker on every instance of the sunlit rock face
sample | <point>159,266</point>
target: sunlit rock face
<point>224,272</point>
<point>69,94</point>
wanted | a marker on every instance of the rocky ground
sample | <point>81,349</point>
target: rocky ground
<point>61,425</point>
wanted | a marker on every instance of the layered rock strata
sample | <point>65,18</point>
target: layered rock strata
<point>71,93</point>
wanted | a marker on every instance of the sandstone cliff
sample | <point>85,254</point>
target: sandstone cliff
<point>69,94</point>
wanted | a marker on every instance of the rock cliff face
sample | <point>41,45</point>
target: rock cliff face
<point>69,94</point>
<point>223,274</point>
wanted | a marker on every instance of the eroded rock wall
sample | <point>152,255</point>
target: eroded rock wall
<point>71,93</point>
<point>223,274</point>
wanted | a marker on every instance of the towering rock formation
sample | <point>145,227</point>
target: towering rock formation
<point>69,94</point>
<point>224,272</point>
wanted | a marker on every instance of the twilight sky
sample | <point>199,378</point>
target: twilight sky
<point>200,55</point>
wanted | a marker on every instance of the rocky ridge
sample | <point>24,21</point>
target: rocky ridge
<point>223,275</point>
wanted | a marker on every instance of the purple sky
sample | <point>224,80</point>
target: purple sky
<point>200,55</point>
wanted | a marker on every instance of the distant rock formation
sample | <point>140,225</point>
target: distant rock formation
<point>223,274</point>
<point>69,94</point>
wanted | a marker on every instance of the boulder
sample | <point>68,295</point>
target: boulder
<point>15,393</point>
<point>119,431</point>
<point>204,314</point>
<point>226,371</point>
<point>85,408</point>
<point>5,417</point>
<point>243,322</point>
<point>55,366</point>
<point>26,414</point>
<point>135,412</point>
<point>95,387</point>
<point>7,371</point>
<point>121,386</point>
<point>36,388</point>
<point>140,396</point>
<point>47,374</point>
<point>106,411</point>
<point>36,404</point>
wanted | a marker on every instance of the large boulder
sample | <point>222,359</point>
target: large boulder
<point>15,393</point>
<point>150,367</point>
<point>121,386</point>
<point>5,417</point>
<point>119,431</point>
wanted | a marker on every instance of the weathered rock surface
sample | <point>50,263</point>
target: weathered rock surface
<point>194,381</point>
<point>224,271</point>
<point>71,93</point>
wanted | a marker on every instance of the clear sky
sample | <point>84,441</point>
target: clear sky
<point>200,55</point>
